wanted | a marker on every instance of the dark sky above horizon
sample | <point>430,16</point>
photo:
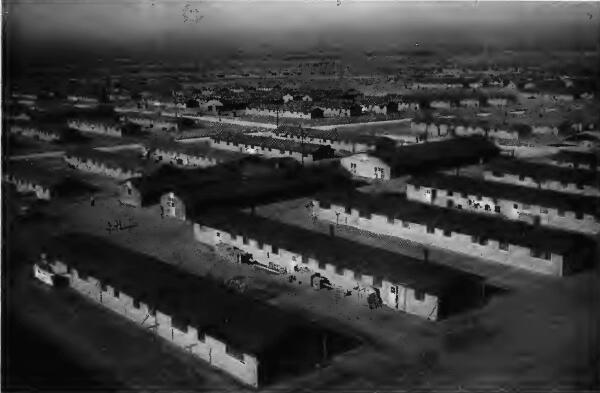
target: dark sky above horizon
<point>160,25</point>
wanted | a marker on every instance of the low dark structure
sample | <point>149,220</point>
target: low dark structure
<point>426,157</point>
<point>254,342</point>
<point>515,243</point>
<point>402,283</point>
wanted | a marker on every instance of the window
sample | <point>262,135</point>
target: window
<point>487,208</point>
<point>543,210</point>
<point>152,311</point>
<point>417,187</point>
<point>430,229</point>
<point>405,224</point>
<point>497,174</point>
<point>479,197</point>
<point>218,234</point>
<point>393,289</point>
<point>136,303</point>
<point>259,245</point>
<point>128,191</point>
<point>419,295</point>
<point>275,250</point>
<point>450,193</point>
<point>366,215</point>
<point>515,206</point>
<point>561,213</point>
<point>579,186</point>
<point>483,241</point>
<point>449,203</point>
<point>459,206</point>
<point>521,178</point>
<point>390,219</point>
<point>503,245</point>
<point>579,215</point>
<point>117,293</point>
<point>245,240</point>
<point>352,165</point>
<point>201,336</point>
<point>497,209</point>
<point>447,232</point>
<point>103,287</point>
<point>464,195</point>
<point>348,210</point>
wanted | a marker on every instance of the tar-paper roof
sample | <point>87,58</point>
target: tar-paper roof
<point>329,135</point>
<point>125,161</point>
<point>484,226</point>
<point>431,155</point>
<point>543,172</point>
<point>342,253</point>
<point>527,195</point>
<point>241,322</point>
<point>194,150</point>
<point>578,157</point>
<point>268,142</point>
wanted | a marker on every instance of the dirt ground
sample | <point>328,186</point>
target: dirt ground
<point>539,335</point>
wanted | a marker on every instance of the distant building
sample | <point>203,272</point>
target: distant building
<point>251,341</point>
<point>291,109</point>
<point>117,165</point>
<point>41,182</point>
<point>343,141</point>
<point>575,160</point>
<point>399,282</point>
<point>498,102</point>
<point>451,153</point>
<point>272,147</point>
<point>189,155</point>
<point>363,165</point>
<point>30,179</point>
<point>153,123</point>
<point>547,177</point>
<point>514,243</point>
<point>35,132</point>
<point>96,127</point>
<point>469,103</point>
<point>540,207</point>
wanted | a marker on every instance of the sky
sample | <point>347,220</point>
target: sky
<point>194,27</point>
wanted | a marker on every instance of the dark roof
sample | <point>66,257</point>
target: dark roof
<point>329,135</point>
<point>268,143</point>
<point>241,322</point>
<point>195,150</point>
<point>542,172</point>
<point>432,155</point>
<point>263,189</point>
<point>514,232</point>
<point>36,174</point>
<point>578,157</point>
<point>170,179</point>
<point>130,161</point>
<point>340,252</point>
<point>527,195</point>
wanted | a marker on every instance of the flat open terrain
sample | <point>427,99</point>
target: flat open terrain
<point>540,334</point>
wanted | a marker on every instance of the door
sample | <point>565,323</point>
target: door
<point>433,194</point>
